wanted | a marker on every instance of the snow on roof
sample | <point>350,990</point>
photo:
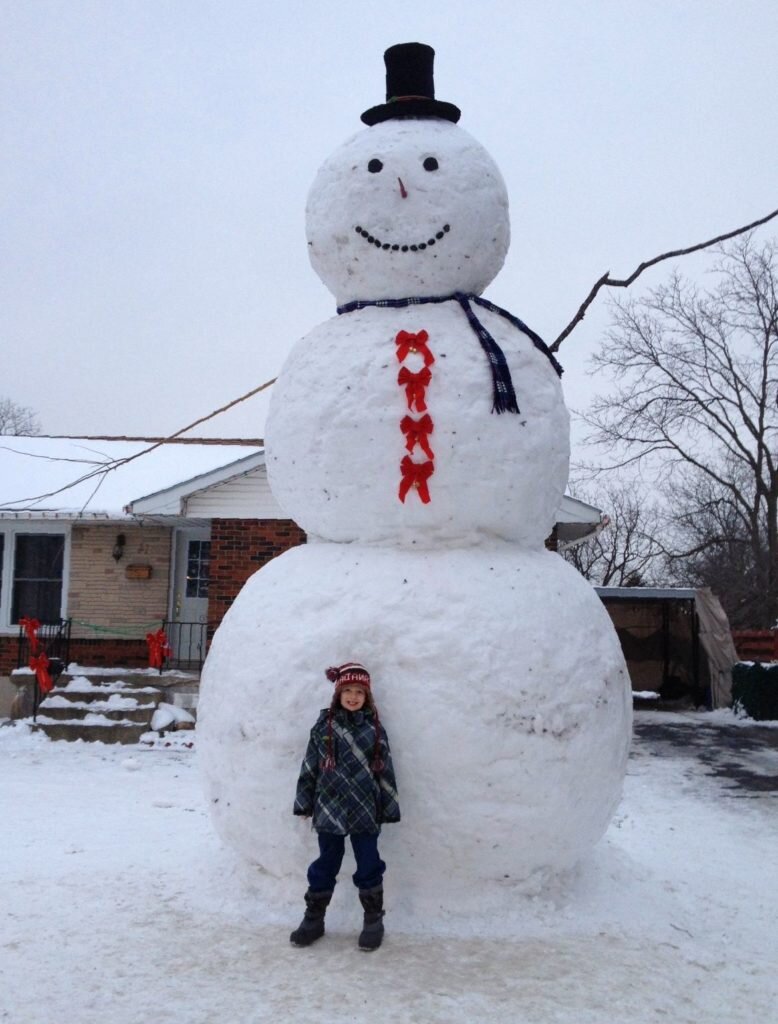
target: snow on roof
<point>67,478</point>
<point>573,510</point>
<point>648,593</point>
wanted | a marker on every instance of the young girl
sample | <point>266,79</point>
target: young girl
<point>347,785</point>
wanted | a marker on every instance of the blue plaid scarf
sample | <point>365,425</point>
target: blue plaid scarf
<point>503,394</point>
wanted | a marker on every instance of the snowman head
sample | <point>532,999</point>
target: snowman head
<point>413,206</point>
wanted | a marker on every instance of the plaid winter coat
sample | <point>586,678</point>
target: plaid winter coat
<point>349,798</point>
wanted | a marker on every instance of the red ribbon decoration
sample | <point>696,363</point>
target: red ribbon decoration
<point>40,665</point>
<point>415,385</point>
<point>407,342</point>
<point>31,627</point>
<point>417,432</point>
<point>415,474</point>
<point>159,648</point>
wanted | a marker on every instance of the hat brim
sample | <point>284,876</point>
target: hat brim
<point>413,106</point>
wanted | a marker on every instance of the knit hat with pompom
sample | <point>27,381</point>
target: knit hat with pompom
<point>350,674</point>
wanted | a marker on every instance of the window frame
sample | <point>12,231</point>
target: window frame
<point>10,531</point>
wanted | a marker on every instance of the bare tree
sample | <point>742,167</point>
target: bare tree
<point>17,419</point>
<point>625,551</point>
<point>713,548</point>
<point>696,397</point>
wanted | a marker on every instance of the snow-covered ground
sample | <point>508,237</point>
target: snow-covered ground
<point>118,903</point>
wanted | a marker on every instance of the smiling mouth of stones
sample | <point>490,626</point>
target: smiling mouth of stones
<point>397,247</point>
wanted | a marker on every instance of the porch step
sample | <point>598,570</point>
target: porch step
<point>147,696</point>
<point>117,732</point>
<point>105,707</point>
<point>74,713</point>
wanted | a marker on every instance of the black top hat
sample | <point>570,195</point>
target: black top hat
<point>410,87</point>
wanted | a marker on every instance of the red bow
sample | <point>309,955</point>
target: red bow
<point>416,433</point>
<point>159,648</point>
<point>31,627</point>
<point>415,474</point>
<point>415,384</point>
<point>40,666</point>
<point>407,342</point>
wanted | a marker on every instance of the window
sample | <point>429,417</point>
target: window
<point>198,565</point>
<point>37,576</point>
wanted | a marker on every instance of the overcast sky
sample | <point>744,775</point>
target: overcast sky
<point>157,156</point>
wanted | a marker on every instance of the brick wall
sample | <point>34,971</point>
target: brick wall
<point>99,590</point>
<point>8,652</point>
<point>112,652</point>
<point>238,548</point>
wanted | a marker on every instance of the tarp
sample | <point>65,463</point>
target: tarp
<point>716,640</point>
<point>675,641</point>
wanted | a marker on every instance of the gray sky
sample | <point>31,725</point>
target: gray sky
<point>157,157</point>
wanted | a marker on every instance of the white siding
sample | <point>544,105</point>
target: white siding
<point>243,497</point>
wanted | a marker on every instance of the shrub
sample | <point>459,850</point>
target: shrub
<point>755,690</point>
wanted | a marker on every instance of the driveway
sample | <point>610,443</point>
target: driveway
<point>743,757</point>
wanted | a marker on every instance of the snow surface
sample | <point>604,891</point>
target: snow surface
<point>114,703</point>
<point>335,445</point>
<point>498,673</point>
<point>464,200</point>
<point>90,719</point>
<point>90,671</point>
<point>119,898</point>
<point>509,746</point>
<point>166,715</point>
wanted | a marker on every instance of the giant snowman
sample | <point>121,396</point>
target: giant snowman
<point>421,439</point>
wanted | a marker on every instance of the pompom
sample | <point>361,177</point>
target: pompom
<point>332,674</point>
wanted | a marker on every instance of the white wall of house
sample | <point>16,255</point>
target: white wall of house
<point>247,496</point>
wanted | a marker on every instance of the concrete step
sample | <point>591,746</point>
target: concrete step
<point>115,733</point>
<point>99,690</point>
<point>73,712</point>
<point>144,698</point>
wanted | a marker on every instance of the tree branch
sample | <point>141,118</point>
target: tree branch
<point>607,281</point>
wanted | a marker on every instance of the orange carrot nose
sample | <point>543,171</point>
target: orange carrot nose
<point>403,190</point>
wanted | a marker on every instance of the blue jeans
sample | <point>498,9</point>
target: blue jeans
<point>323,873</point>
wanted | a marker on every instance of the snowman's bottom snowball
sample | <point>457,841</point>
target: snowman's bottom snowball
<point>502,687</point>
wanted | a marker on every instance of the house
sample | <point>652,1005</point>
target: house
<point>121,535</point>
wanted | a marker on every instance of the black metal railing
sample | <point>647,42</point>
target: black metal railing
<point>188,642</point>
<point>54,641</point>
<point>53,638</point>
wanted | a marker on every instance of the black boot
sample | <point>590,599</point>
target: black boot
<point>312,925</point>
<point>372,901</point>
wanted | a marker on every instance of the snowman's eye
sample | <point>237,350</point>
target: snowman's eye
<point>375,166</point>
<point>430,164</point>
